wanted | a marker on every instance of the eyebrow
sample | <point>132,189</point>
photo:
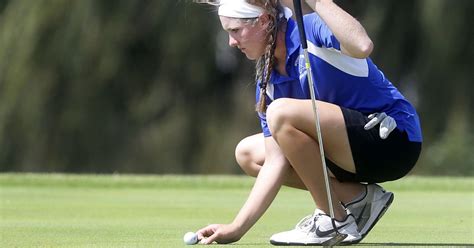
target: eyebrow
<point>242,21</point>
<point>230,28</point>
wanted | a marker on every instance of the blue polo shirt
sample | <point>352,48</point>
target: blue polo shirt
<point>339,79</point>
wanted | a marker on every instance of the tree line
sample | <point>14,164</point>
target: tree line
<point>150,86</point>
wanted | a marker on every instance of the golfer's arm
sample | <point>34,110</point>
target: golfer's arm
<point>352,36</point>
<point>265,189</point>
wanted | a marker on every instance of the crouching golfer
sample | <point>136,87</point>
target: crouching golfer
<point>371,132</point>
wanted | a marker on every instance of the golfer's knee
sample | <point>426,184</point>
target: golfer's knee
<point>280,116</point>
<point>244,157</point>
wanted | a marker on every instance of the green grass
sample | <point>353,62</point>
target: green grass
<point>54,210</point>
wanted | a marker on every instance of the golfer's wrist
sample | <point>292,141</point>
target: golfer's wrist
<point>238,229</point>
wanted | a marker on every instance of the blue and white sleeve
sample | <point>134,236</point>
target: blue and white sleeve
<point>319,33</point>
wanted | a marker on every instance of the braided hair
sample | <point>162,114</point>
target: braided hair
<point>264,65</point>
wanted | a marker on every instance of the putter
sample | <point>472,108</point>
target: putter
<point>339,237</point>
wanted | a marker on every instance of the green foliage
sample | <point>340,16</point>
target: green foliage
<point>103,86</point>
<point>140,86</point>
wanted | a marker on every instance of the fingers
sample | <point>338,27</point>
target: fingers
<point>211,239</point>
<point>219,233</point>
<point>387,123</point>
<point>200,234</point>
<point>206,231</point>
<point>208,234</point>
<point>375,119</point>
<point>372,115</point>
<point>387,126</point>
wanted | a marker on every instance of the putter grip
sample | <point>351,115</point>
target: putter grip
<point>299,20</point>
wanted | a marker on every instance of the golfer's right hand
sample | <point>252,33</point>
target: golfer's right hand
<point>220,233</point>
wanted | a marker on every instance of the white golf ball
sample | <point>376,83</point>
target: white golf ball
<point>190,238</point>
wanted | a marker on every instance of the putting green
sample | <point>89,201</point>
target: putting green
<point>55,210</point>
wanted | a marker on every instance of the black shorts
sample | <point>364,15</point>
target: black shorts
<point>376,160</point>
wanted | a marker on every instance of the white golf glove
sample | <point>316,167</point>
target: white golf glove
<point>387,124</point>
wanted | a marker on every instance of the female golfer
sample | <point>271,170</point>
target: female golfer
<point>371,133</point>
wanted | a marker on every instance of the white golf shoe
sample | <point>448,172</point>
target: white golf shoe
<point>368,210</point>
<point>317,229</point>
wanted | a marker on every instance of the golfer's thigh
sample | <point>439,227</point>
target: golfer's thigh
<point>299,114</point>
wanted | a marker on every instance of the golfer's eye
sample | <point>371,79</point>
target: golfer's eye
<point>234,30</point>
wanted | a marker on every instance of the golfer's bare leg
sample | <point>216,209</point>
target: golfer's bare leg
<point>292,125</point>
<point>250,155</point>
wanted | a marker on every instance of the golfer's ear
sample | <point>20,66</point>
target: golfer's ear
<point>263,19</point>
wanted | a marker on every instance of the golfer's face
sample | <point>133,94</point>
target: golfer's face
<point>249,37</point>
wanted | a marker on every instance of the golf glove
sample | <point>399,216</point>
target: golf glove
<point>387,124</point>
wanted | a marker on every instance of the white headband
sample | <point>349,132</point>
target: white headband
<point>239,9</point>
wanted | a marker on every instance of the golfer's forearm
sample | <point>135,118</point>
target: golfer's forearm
<point>306,9</point>
<point>352,36</point>
<point>266,187</point>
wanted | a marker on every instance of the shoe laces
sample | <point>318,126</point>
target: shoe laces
<point>307,224</point>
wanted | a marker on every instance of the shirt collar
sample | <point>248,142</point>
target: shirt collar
<point>292,43</point>
<point>292,38</point>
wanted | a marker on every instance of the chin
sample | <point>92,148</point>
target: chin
<point>251,57</point>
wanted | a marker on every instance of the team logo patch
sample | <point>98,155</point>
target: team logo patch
<point>300,62</point>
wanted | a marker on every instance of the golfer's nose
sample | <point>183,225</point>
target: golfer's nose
<point>233,42</point>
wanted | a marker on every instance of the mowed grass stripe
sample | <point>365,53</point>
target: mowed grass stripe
<point>419,183</point>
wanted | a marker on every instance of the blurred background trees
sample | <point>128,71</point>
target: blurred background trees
<point>150,86</point>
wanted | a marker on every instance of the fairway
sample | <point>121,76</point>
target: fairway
<point>42,210</point>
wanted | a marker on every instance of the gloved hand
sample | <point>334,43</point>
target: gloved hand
<point>387,124</point>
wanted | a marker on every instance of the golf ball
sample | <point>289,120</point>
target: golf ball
<point>190,238</point>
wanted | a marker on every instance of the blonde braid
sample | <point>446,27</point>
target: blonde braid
<point>268,61</point>
<point>265,63</point>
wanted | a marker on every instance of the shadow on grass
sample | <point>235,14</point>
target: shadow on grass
<point>416,244</point>
<point>366,244</point>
